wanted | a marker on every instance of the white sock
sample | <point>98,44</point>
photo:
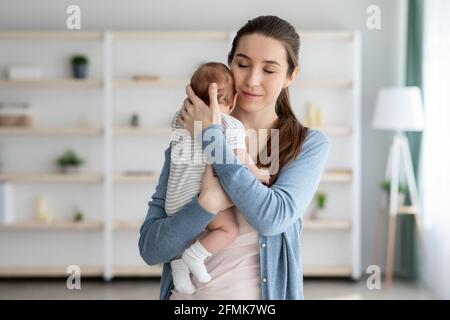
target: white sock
<point>181,279</point>
<point>194,258</point>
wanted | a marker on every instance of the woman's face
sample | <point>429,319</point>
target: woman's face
<point>259,69</point>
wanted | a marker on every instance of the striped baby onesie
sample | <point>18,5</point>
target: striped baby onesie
<point>188,162</point>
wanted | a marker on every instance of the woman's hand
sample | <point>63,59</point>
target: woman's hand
<point>212,197</point>
<point>194,109</point>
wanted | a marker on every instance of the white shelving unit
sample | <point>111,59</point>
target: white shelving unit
<point>105,243</point>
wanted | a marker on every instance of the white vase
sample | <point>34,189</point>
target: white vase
<point>70,169</point>
<point>316,213</point>
<point>385,200</point>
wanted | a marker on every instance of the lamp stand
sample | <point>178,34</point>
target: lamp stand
<point>399,153</point>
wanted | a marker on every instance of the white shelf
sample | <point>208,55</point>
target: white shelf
<point>75,178</point>
<point>151,131</point>
<point>51,131</point>
<point>86,271</point>
<point>127,225</point>
<point>325,35</point>
<point>335,130</point>
<point>164,82</point>
<point>134,225</point>
<point>112,81</point>
<point>309,225</point>
<point>220,35</point>
<point>169,35</point>
<point>128,130</point>
<point>51,177</point>
<point>338,176</point>
<point>51,35</point>
<point>61,225</point>
<point>140,271</point>
<point>166,131</point>
<point>52,83</point>
<point>324,83</point>
<point>334,176</point>
<point>155,35</point>
<point>338,83</point>
<point>139,178</point>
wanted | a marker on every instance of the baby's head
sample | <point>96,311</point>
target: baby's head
<point>215,72</point>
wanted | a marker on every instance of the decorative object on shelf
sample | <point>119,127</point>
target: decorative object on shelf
<point>15,115</point>
<point>70,162</point>
<point>321,202</point>
<point>78,216</point>
<point>83,122</point>
<point>42,214</point>
<point>80,66</point>
<point>399,109</point>
<point>146,77</point>
<point>7,203</point>
<point>134,120</point>
<point>386,187</point>
<point>315,115</point>
<point>24,73</point>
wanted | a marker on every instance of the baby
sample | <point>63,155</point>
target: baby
<point>186,176</point>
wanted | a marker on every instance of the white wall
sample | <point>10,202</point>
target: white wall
<point>381,48</point>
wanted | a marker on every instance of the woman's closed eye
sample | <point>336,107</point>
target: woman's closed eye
<point>240,65</point>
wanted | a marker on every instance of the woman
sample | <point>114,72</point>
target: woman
<point>264,262</point>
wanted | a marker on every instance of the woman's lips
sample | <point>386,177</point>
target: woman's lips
<point>252,96</point>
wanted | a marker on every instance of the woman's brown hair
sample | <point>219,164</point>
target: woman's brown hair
<point>292,133</point>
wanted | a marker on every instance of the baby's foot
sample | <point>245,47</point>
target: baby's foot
<point>194,258</point>
<point>181,279</point>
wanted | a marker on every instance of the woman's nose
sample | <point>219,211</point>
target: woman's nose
<point>253,78</point>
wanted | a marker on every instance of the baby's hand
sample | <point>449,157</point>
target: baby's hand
<point>264,176</point>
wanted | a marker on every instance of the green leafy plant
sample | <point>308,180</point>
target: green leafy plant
<point>386,187</point>
<point>70,158</point>
<point>321,200</point>
<point>79,59</point>
<point>79,216</point>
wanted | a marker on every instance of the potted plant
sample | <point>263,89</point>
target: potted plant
<point>386,187</point>
<point>134,120</point>
<point>321,202</point>
<point>78,216</point>
<point>80,66</point>
<point>69,162</point>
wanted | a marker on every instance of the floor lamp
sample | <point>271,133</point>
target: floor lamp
<point>400,110</point>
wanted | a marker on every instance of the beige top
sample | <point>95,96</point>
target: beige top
<point>235,271</point>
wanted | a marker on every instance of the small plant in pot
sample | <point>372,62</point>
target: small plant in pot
<point>70,162</point>
<point>80,66</point>
<point>386,187</point>
<point>78,216</point>
<point>321,202</point>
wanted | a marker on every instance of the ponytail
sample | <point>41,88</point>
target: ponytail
<point>291,132</point>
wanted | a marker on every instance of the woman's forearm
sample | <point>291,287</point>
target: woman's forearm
<point>163,238</point>
<point>270,210</point>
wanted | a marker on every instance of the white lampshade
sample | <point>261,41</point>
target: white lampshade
<point>399,109</point>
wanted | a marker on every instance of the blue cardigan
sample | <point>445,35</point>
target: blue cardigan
<point>274,212</point>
